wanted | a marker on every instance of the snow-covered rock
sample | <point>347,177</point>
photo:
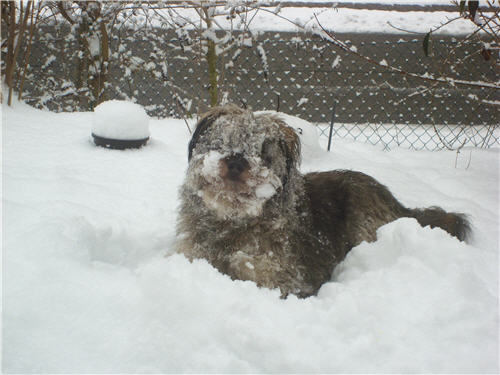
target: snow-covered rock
<point>122,120</point>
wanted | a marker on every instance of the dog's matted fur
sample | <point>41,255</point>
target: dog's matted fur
<point>247,209</point>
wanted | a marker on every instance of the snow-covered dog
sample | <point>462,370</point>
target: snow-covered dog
<point>247,209</point>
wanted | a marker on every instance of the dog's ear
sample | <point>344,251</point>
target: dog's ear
<point>207,119</point>
<point>290,143</point>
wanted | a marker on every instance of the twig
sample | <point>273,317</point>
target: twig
<point>446,80</point>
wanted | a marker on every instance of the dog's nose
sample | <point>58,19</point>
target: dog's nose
<point>236,165</point>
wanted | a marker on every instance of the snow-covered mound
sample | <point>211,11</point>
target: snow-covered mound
<point>118,119</point>
<point>90,284</point>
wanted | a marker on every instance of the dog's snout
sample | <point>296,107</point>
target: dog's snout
<point>236,165</point>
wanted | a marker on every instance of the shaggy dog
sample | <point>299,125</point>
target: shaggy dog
<point>247,209</point>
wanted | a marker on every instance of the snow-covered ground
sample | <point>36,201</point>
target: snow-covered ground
<point>90,283</point>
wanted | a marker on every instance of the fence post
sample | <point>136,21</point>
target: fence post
<point>331,127</point>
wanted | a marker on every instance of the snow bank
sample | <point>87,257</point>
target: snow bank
<point>87,286</point>
<point>117,119</point>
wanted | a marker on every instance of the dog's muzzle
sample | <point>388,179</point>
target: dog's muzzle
<point>235,165</point>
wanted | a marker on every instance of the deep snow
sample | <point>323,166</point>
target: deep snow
<point>87,285</point>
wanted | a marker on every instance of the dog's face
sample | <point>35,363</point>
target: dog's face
<point>238,161</point>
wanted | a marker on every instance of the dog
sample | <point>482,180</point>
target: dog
<point>248,211</point>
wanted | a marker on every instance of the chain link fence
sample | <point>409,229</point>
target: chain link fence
<point>361,101</point>
<point>295,73</point>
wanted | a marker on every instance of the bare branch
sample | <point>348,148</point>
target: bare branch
<point>328,36</point>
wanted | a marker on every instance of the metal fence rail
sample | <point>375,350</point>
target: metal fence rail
<point>416,137</point>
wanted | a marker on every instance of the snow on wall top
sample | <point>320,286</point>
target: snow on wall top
<point>342,19</point>
<point>385,2</point>
<point>345,20</point>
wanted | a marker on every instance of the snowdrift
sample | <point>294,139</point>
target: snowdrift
<point>90,283</point>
